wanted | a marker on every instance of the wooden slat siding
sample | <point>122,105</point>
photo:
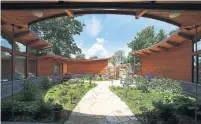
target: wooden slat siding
<point>94,67</point>
<point>175,64</point>
<point>45,67</point>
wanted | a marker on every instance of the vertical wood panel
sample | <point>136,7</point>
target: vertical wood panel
<point>93,67</point>
<point>175,64</point>
<point>45,67</point>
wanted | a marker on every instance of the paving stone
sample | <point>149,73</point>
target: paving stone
<point>101,106</point>
<point>101,120</point>
<point>123,118</point>
<point>132,117</point>
<point>112,119</point>
<point>131,122</point>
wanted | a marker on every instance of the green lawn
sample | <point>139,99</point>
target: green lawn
<point>137,101</point>
<point>60,93</point>
<point>159,107</point>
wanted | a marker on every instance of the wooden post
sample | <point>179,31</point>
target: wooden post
<point>13,66</point>
<point>27,63</point>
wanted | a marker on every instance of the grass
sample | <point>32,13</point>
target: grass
<point>137,101</point>
<point>61,93</point>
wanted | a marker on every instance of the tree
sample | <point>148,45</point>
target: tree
<point>160,36</point>
<point>120,56</point>
<point>59,32</point>
<point>94,57</point>
<point>80,56</point>
<point>172,32</point>
<point>113,61</point>
<point>144,39</point>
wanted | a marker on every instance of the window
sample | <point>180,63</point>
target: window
<point>20,64</point>
<point>32,51</point>
<point>56,68</point>
<point>6,66</point>
<point>20,47</point>
<point>32,68</point>
<point>5,43</point>
<point>199,46</point>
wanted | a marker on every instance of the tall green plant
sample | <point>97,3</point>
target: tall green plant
<point>29,91</point>
<point>46,83</point>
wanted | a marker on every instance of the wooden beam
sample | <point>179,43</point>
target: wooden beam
<point>140,13</point>
<point>16,23</point>
<point>42,46</point>
<point>173,43</point>
<point>21,34</point>
<point>163,48</point>
<point>31,42</point>
<point>154,51</point>
<point>186,36</point>
<point>2,23</point>
<point>146,53</point>
<point>69,13</point>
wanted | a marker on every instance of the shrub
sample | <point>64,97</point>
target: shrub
<point>57,107</point>
<point>19,108</point>
<point>43,111</point>
<point>165,85</point>
<point>29,91</point>
<point>143,84</point>
<point>66,77</point>
<point>75,81</point>
<point>184,105</point>
<point>46,83</point>
<point>159,84</point>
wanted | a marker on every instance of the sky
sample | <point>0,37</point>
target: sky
<point>104,34</point>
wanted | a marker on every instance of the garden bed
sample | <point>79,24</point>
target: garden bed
<point>160,100</point>
<point>37,104</point>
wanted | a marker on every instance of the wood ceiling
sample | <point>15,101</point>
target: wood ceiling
<point>21,13</point>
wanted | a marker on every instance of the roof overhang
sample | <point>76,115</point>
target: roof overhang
<point>24,36</point>
<point>63,59</point>
<point>21,13</point>
<point>175,40</point>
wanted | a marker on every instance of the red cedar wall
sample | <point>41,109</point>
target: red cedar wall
<point>45,67</point>
<point>94,67</point>
<point>175,64</point>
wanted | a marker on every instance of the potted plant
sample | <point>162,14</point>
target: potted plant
<point>57,110</point>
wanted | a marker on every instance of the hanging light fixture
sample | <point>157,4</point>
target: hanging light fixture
<point>174,14</point>
<point>38,13</point>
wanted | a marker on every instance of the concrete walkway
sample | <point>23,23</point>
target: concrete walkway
<point>101,106</point>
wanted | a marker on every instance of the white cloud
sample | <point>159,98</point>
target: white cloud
<point>93,26</point>
<point>97,49</point>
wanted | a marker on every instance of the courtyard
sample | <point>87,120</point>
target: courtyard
<point>97,62</point>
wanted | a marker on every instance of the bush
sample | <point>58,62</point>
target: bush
<point>66,77</point>
<point>46,83</point>
<point>75,81</point>
<point>159,84</point>
<point>143,84</point>
<point>29,91</point>
<point>43,111</point>
<point>57,107</point>
<point>184,105</point>
<point>19,108</point>
<point>165,85</point>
